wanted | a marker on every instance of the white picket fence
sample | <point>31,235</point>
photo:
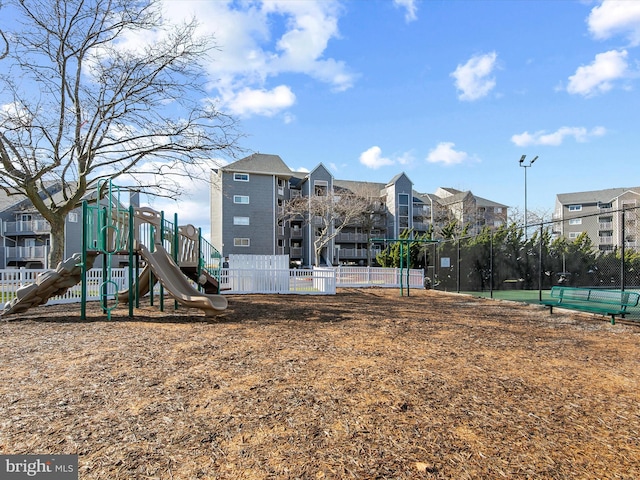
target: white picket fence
<point>12,279</point>
<point>317,281</point>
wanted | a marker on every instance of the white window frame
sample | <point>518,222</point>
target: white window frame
<point>73,217</point>
<point>497,209</point>
<point>240,199</point>
<point>320,186</point>
<point>241,242</point>
<point>574,235</point>
<point>575,208</point>
<point>241,221</point>
<point>575,221</point>
<point>240,177</point>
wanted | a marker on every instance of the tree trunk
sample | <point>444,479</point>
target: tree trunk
<point>56,251</point>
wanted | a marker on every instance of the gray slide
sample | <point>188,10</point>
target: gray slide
<point>178,286</point>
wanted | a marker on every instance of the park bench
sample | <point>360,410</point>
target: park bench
<point>593,300</point>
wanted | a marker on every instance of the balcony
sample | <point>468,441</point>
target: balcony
<point>421,226</point>
<point>296,233</point>
<point>351,253</point>
<point>31,227</point>
<point>352,238</point>
<point>605,240</point>
<point>605,226</point>
<point>295,252</point>
<point>26,254</point>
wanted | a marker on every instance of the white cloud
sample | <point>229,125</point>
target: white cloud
<point>193,206</point>
<point>613,17</point>
<point>411,8</point>
<point>247,102</point>
<point>598,76</point>
<point>579,134</point>
<point>372,158</point>
<point>261,39</point>
<point>445,153</point>
<point>473,79</point>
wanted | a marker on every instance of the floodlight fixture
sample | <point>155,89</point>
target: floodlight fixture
<point>522,164</point>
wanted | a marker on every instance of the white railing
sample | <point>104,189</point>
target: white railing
<point>317,281</point>
<point>320,281</point>
<point>36,226</point>
<point>377,277</point>
<point>12,279</point>
<point>26,253</point>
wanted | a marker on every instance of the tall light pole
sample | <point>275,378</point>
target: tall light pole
<point>523,165</point>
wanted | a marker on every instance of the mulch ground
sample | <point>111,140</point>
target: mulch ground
<point>365,384</point>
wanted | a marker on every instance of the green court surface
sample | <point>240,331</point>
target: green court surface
<point>534,296</point>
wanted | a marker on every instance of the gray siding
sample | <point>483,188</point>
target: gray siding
<point>260,210</point>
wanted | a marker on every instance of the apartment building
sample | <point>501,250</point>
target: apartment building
<point>600,214</point>
<point>25,235</point>
<point>248,198</point>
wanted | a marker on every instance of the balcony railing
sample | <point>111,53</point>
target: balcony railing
<point>30,226</point>
<point>605,240</point>
<point>353,253</point>
<point>606,226</point>
<point>295,251</point>
<point>352,238</point>
<point>26,254</point>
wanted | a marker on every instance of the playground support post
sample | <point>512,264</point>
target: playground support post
<point>402,241</point>
<point>131,256</point>
<point>83,266</point>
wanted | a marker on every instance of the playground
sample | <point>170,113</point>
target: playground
<point>175,256</point>
<point>362,384</point>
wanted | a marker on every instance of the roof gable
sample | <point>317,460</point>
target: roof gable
<point>260,163</point>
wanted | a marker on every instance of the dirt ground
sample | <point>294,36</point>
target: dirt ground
<point>365,384</point>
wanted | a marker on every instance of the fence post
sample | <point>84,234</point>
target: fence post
<point>540,266</point>
<point>622,254</point>
<point>491,264</point>
<point>458,260</point>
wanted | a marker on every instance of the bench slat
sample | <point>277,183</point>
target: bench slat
<point>605,302</point>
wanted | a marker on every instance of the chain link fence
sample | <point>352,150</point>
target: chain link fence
<point>597,250</point>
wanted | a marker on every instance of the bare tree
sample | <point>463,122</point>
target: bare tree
<point>101,89</point>
<point>328,212</point>
<point>5,49</point>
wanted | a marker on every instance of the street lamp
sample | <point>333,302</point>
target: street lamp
<point>523,165</point>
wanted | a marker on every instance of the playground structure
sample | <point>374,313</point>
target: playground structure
<point>174,256</point>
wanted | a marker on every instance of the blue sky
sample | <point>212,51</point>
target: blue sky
<point>450,92</point>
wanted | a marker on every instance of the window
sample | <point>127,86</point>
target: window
<point>575,208</point>
<point>497,210</point>
<point>241,242</point>
<point>403,211</point>
<point>321,188</point>
<point>574,234</point>
<point>241,220</point>
<point>605,205</point>
<point>575,221</point>
<point>73,217</point>
<point>244,199</point>
<point>241,177</point>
